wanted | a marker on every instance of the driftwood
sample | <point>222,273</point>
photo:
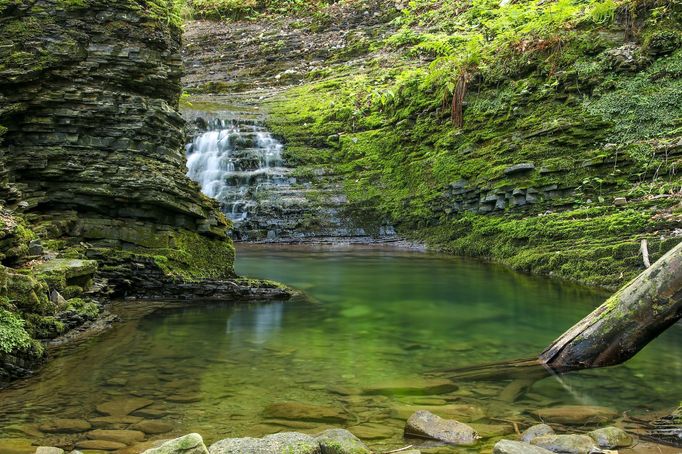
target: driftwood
<point>610,335</point>
<point>626,322</point>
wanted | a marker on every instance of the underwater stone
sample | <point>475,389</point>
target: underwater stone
<point>66,426</point>
<point>577,414</point>
<point>304,412</point>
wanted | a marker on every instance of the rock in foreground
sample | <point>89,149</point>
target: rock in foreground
<point>272,444</point>
<point>189,444</point>
<point>517,447</point>
<point>341,441</point>
<point>424,424</point>
<point>566,444</point>
<point>611,437</point>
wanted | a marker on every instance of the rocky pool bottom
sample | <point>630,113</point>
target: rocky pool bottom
<point>375,344</point>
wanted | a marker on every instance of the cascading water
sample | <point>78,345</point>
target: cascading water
<point>233,160</point>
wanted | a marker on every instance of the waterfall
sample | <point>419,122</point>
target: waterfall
<point>233,160</point>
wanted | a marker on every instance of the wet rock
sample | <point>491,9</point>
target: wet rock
<point>577,415</point>
<point>537,430</point>
<point>414,386</point>
<point>517,447</point>
<point>189,444</point>
<point>272,444</point>
<point>566,444</point>
<point>66,426</point>
<point>620,201</point>
<point>123,407</point>
<point>126,437</point>
<point>611,437</point>
<point>519,168</point>
<point>152,427</point>
<point>184,398</point>
<point>304,412</point>
<point>102,445</point>
<point>49,450</point>
<point>427,425</point>
<point>113,422</point>
<point>340,441</point>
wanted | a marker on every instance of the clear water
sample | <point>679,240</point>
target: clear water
<point>377,317</point>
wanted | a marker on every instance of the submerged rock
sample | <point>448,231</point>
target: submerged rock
<point>304,412</point>
<point>517,447</point>
<point>341,441</point>
<point>611,437</point>
<point>66,426</point>
<point>537,430</point>
<point>123,407</point>
<point>577,414</point>
<point>464,412</point>
<point>114,422</point>
<point>189,444</point>
<point>272,444</point>
<point>152,427</point>
<point>412,386</point>
<point>424,424</point>
<point>102,445</point>
<point>566,444</point>
<point>126,437</point>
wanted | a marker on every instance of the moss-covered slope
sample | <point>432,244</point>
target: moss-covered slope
<point>558,154</point>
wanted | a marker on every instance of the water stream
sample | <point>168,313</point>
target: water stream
<point>233,161</point>
<point>379,320</point>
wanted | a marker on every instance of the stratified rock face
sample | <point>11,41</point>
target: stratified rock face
<point>93,141</point>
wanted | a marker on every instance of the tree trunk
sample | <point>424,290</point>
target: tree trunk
<point>626,322</point>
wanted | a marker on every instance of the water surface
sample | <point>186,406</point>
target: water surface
<point>377,318</point>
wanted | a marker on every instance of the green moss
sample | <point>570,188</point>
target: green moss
<point>87,309</point>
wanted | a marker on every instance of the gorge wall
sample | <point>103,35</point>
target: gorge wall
<point>568,152</point>
<point>94,200</point>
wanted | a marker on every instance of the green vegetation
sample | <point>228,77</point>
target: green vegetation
<point>13,336</point>
<point>251,9</point>
<point>427,134</point>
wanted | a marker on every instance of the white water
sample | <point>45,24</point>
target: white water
<point>232,161</point>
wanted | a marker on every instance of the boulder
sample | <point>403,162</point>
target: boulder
<point>340,441</point>
<point>611,437</point>
<point>537,430</point>
<point>272,444</point>
<point>517,447</point>
<point>463,412</point>
<point>566,444</point>
<point>189,444</point>
<point>577,415</point>
<point>424,424</point>
<point>66,426</point>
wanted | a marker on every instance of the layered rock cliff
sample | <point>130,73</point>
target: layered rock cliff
<point>93,191</point>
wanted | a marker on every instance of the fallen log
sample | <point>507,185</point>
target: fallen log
<point>626,322</point>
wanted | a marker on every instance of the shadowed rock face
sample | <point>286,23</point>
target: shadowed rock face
<point>89,91</point>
